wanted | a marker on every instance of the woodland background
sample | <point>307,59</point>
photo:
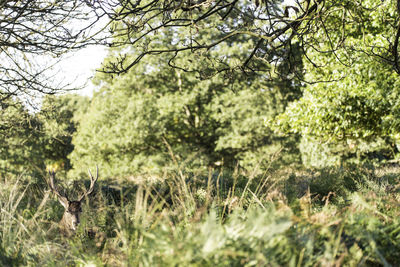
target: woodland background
<point>227,133</point>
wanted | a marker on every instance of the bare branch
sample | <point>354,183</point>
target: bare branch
<point>29,29</point>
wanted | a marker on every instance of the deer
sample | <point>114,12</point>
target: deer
<point>73,209</point>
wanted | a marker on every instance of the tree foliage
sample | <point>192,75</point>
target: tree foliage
<point>19,139</point>
<point>355,110</point>
<point>30,28</point>
<point>224,57</point>
<point>155,115</point>
<point>58,117</point>
<point>31,142</point>
<point>274,26</point>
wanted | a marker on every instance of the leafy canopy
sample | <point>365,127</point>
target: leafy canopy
<point>154,115</point>
<point>352,106</point>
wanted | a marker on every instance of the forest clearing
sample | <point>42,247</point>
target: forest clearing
<point>218,133</point>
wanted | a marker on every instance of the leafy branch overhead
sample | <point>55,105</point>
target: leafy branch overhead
<point>273,26</point>
<point>47,29</point>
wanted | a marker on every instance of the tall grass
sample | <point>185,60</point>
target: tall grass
<point>23,231</point>
<point>330,217</point>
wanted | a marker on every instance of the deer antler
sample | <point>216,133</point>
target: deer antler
<point>92,182</point>
<point>63,199</point>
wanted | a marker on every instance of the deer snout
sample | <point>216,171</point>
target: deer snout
<point>75,222</point>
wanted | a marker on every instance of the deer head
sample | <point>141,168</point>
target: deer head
<point>73,209</point>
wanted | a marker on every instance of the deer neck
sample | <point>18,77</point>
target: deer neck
<point>66,226</point>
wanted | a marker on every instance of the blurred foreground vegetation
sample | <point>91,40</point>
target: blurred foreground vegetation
<point>332,217</point>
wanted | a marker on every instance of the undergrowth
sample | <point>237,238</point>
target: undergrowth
<point>346,216</point>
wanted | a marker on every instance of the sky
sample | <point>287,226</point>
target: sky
<point>80,66</point>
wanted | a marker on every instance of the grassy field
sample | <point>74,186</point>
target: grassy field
<point>347,216</point>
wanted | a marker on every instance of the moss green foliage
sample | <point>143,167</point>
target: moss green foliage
<point>134,127</point>
<point>350,109</point>
<point>20,146</point>
<point>58,115</point>
<point>345,217</point>
<point>137,120</point>
<point>31,141</point>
